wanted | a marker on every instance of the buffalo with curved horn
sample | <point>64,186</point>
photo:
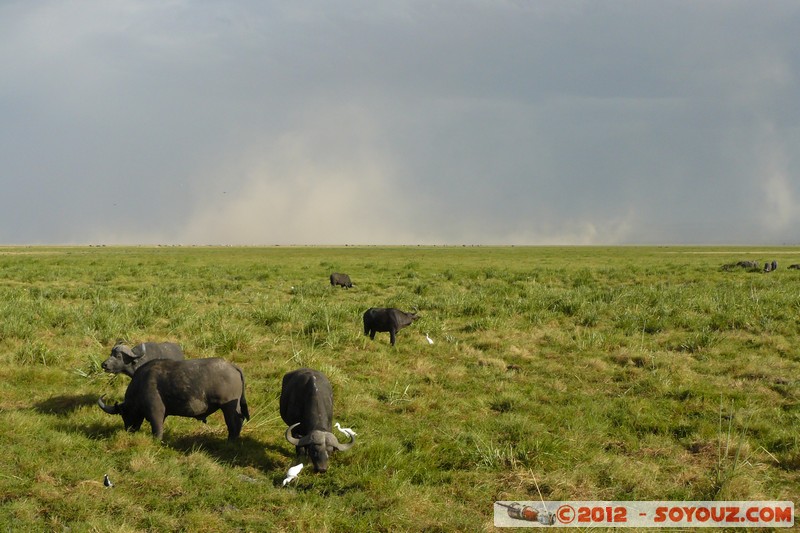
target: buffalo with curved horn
<point>387,319</point>
<point>125,360</point>
<point>342,280</point>
<point>194,388</point>
<point>306,405</point>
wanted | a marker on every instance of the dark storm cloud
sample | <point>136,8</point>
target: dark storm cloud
<point>431,122</point>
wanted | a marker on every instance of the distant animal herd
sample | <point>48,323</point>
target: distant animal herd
<point>755,266</point>
<point>164,383</point>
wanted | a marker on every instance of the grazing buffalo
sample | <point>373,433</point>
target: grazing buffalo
<point>125,360</point>
<point>194,388</point>
<point>751,266</point>
<point>386,319</point>
<point>794,267</point>
<point>342,280</point>
<point>307,407</point>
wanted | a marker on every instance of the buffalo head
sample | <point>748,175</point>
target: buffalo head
<point>121,358</point>
<point>318,445</point>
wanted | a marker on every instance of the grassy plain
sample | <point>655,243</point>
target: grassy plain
<point>592,373</point>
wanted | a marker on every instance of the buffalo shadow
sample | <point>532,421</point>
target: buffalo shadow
<point>94,431</point>
<point>242,452</point>
<point>64,404</point>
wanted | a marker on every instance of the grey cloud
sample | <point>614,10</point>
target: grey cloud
<point>507,122</point>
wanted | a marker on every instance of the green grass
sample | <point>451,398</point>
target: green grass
<point>597,373</point>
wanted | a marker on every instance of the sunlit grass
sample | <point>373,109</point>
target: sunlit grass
<point>601,373</point>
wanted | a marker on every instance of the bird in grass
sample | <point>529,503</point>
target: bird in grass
<point>106,481</point>
<point>427,337</point>
<point>292,473</point>
<point>347,431</point>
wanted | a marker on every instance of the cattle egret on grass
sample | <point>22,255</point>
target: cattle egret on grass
<point>347,431</point>
<point>292,473</point>
<point>430,341</point>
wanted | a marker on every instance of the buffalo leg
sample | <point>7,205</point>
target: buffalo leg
<point>135,425</point>
<point>392,334</point>
<point>157,426</point>
<point>372,334</point>
<point>156,418</point>
<point>232,419</point>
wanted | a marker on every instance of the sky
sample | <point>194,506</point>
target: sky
<point>524,122</point>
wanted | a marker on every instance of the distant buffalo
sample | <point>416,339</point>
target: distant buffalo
<point>387,319</point>
<point>342,280</point>
<point>125,360</point>
<point>194,388</point>
<point>306,405</point>
<point>751,266</point>
<point>794,267</point>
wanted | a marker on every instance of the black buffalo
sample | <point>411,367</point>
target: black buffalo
<point>386,319</point>
<point>343,280</point>
<point>125,360</point>
<point>194,388</point>
<point>307,407</point>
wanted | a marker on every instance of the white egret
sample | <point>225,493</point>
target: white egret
<point>347,431</point>
<point>292,473</point>
<point>430,341</point>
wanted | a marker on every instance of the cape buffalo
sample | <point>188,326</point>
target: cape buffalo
<point>751,266</point>
<point>125,360</point>
<point>343,280</point>
<point>386,319</point>
<point>194,388</point>
<point>307,407</point>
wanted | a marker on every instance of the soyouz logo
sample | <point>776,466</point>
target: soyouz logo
<point>644,514</point>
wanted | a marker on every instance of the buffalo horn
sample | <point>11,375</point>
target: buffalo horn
<point>110,410</point>
<point>127,351</point>
<point>341,446</point>
<point>289,437</point>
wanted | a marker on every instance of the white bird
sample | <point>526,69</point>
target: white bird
<point>430,341</point>
<point>292,473</point>
<point>106,481</point>
<point>347,431</point>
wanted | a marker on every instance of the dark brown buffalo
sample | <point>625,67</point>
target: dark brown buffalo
<point>342,280</point>
<point>387,319</point>
<point>306,406</point>
<point>194,388</point>
<point>125,360</point>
